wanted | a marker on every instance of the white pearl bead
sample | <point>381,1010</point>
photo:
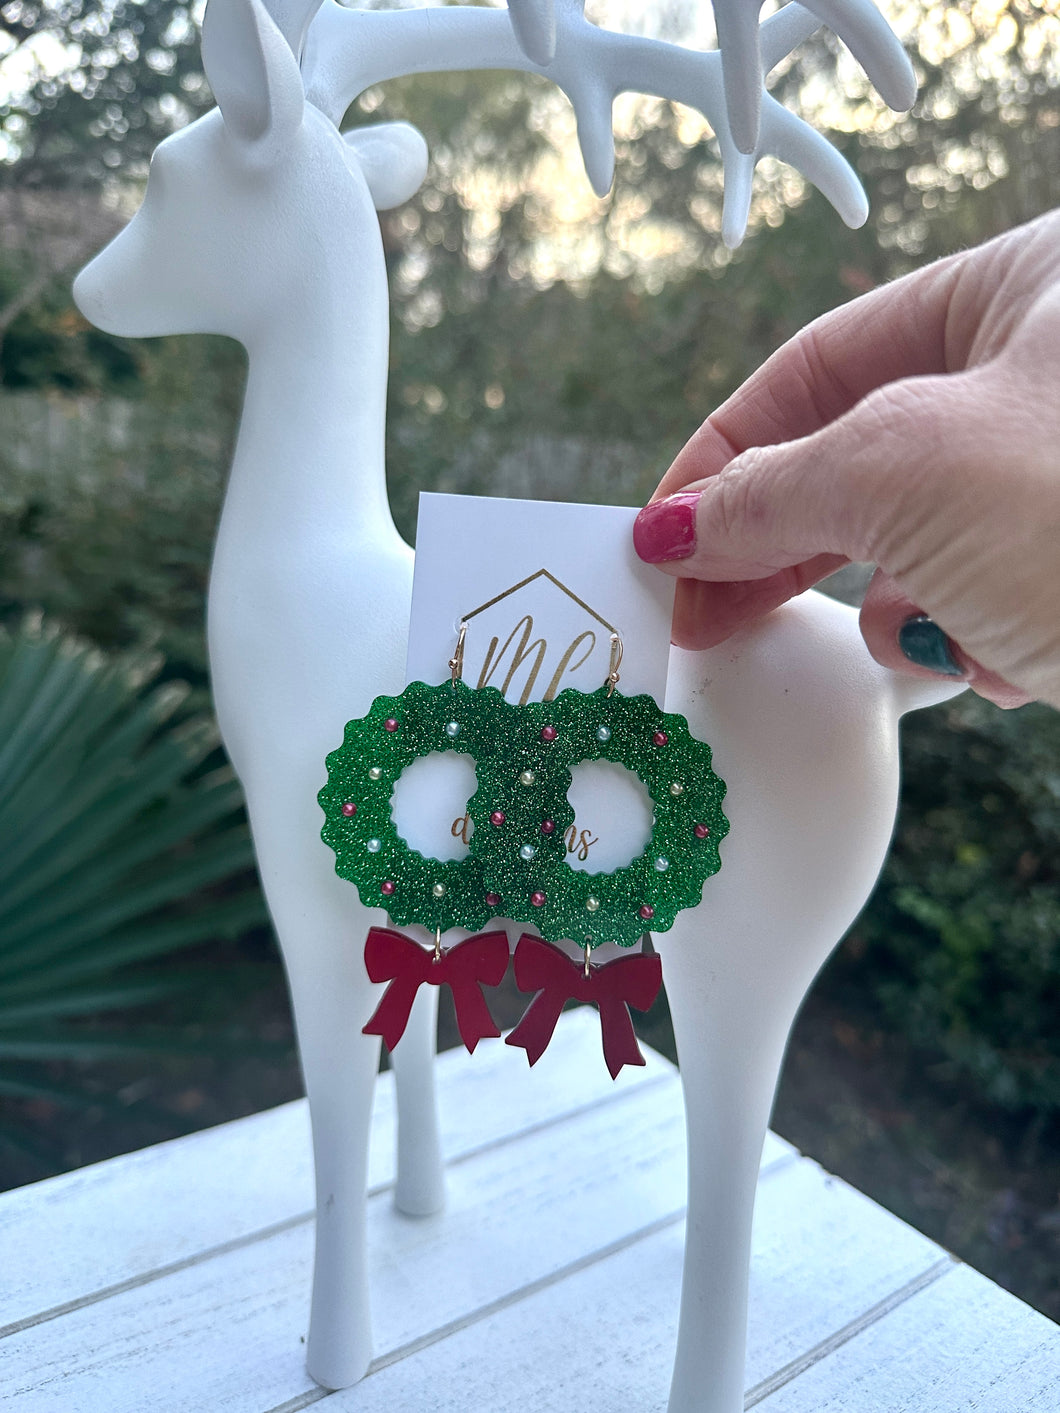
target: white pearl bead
<point>527,851</point>
<point>373,846</point>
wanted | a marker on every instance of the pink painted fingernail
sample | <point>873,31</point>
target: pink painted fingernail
<point>666,529</point>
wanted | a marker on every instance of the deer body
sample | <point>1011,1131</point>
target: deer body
<point>259,222</point>
<point>310,586</point>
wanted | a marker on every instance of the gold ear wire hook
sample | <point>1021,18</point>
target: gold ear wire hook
<point>456,662</point>
<point>616,660</point>
<point>437,944</point>
<point>588,954</point>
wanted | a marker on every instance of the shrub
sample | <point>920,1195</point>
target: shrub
<point>960,945</point>
<point>121,845</point>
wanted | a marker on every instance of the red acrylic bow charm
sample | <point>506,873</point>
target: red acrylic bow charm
<point>466,968</point>
<point>631,981</point>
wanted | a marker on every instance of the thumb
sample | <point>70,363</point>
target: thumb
<point>857,488</point>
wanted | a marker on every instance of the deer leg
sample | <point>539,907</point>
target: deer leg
<point>321,926</point>
<point>731,1032</point>
<point>420,1189</point>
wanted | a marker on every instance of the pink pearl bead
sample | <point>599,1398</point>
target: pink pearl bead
<point>701,831</point>
<point>538,899</point>
<point>646,911</point>
<point>660,738</point>
<point>390,724</point>
<point>548,826</point>
<point>497,818</point>
<point>387,887</point>
<point>549,733</point>
<point>493,900</point>
<point>349,809</point>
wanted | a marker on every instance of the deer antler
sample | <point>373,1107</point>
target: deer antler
<point>534,23</point>
<point>858,23</point>
<point>349,50</point>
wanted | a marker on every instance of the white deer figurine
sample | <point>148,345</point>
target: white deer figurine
<point>259,222</point>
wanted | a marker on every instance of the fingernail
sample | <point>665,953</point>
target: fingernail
<point>924,643</point>
<point>666,529</point>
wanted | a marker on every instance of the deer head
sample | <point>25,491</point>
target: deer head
<point>249,206</point>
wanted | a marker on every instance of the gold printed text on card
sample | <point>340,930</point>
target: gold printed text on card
<point>576,841</point>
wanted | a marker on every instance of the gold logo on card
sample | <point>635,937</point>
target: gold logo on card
<point>522,651</point>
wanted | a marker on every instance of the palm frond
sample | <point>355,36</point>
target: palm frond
<point>119,848</point>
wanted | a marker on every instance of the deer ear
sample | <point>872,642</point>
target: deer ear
<point>393,158</point>
<point>293,18</point>
<point>254,77</point>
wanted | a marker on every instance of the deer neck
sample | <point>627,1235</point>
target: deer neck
<point>309,461</point>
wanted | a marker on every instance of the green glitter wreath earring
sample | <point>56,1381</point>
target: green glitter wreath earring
<point>387,872</point>
<point>516,866</point>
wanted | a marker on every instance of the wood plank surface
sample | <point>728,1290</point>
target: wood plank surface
<point>552,1278</point>
<point>88,1231</point>
<point>603,1338</point>
<point>519,1211</point>
<point>961,1343</point>
<point>541,1213</point>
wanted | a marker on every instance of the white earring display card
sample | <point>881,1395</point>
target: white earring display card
<point>550,594</point>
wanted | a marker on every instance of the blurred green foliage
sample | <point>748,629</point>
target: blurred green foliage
<point>119,848</point>
<point>961,942</point>
<point>113,537</point>
<point>516,371</point>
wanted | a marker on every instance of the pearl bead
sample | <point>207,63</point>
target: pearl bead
<point>452,729</point>
<point>603,733</point>
<point>390,724</point>
<point>527,777</point>
<point>701,831</point>
<point>374,845</point>
<point>592,904</point>
<point>548,826</point>
<point>549,733</point>
<point>661,864</point>
<point>538,899</point>
<point>677,789</point>
<point>375,773</point>
<point>438,889</point>
<point>527,852</point>
<point>387,887</point>
<point>497,818</point>
<point>493,900</point>
<point>647,911</point>
<point>349,809</point>
<point>660,738</point>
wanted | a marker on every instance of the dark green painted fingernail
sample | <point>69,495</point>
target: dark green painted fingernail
<point>923,642</point>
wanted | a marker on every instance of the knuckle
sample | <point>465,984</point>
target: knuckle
<point>812,387</point>
<point>903,411</point>
<point>742,507</point>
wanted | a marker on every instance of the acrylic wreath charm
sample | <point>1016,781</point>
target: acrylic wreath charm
<point>516,866</point>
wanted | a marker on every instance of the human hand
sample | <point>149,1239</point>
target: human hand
<point>917,427</point>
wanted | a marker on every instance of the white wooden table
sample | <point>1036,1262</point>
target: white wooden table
<point>177,1278</point>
